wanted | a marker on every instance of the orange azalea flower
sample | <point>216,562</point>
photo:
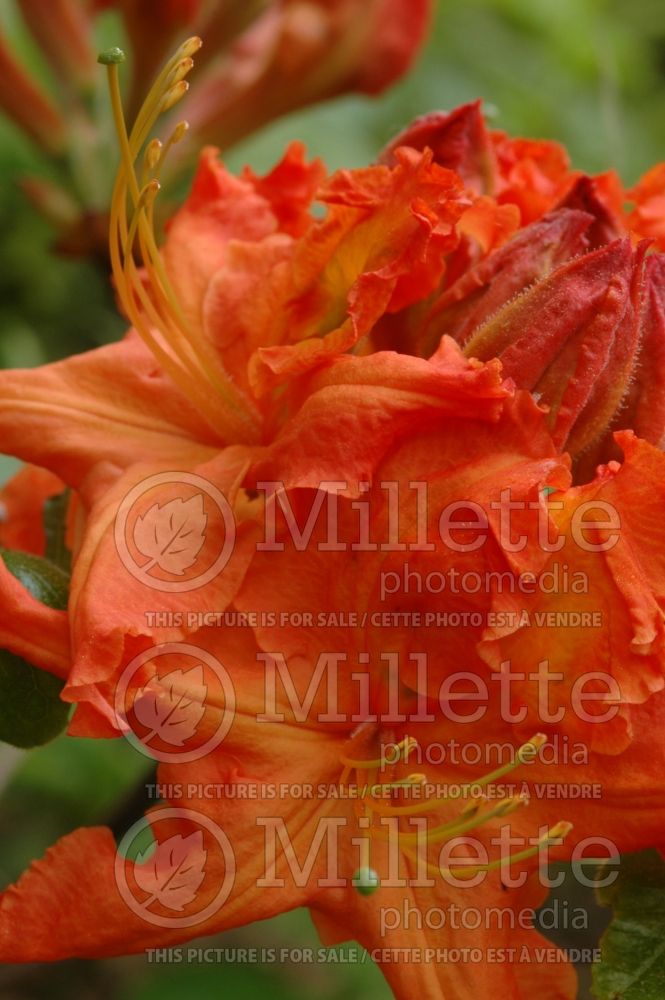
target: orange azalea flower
<point>79,898</point>
<point>235,388</point>
<point>458,407</point>
<point>187,381</point>
<point>218,362</point>
<point>330,281</point>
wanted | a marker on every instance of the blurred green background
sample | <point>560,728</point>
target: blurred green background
<point>590,73</point>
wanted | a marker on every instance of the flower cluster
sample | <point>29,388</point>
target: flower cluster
<point>385,446</point>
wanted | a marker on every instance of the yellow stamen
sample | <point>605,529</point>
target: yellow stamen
<point>524,753</point>
<point>375,804</point>
<point>456,828</point>
<point>403,749</point>
<point>153,151</point>
<point>148,297</point>
<point>412,780</point>
<point>555,835</point>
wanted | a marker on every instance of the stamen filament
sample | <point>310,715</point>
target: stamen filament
<point>556,833</point>
<point>410,781</point>
<point>455,828</point>
<point>404,748</point>
<point>193,363</point>
<point>370,806</point>
<point>524,752</point>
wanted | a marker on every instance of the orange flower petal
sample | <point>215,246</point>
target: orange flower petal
<point>112,601</point>
<point>622,584</point>
<point>143,418</point>
<point>360,406</point>
<point>533,174</point>
<point>380,248</point>
<point>459,141</point>
<point>31,629</point>
<point>22,508</point>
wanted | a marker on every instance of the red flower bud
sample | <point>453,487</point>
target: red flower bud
<point>573,340</point>
<point>459,140</point>
<point>602,198</point>
<point>532,254</point>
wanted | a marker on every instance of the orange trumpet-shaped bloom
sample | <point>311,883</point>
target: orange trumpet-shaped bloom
<point>315,789</point>
<point>233,372</point>
<point>207,357</point>
<point>396,518</point>
<point>179,384</point>
<point>86,899</point>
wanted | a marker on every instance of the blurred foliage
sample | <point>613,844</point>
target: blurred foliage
<point>633,966</point>
<point>590,73</point>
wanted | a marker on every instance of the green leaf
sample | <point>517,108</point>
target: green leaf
<point>55,526</point>
<point>46,582</point>
<point>632,966</point>
<point>31,711</point>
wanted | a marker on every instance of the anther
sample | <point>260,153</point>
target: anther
<point>181,71</point>
<point>383,787</point>
<point>559,831</point>
<point>174,95</point>
<point>528,751</point>
<point>179,132</point>
<point>510,805</point>
<point>190,47</point>
<point>152,154</point>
